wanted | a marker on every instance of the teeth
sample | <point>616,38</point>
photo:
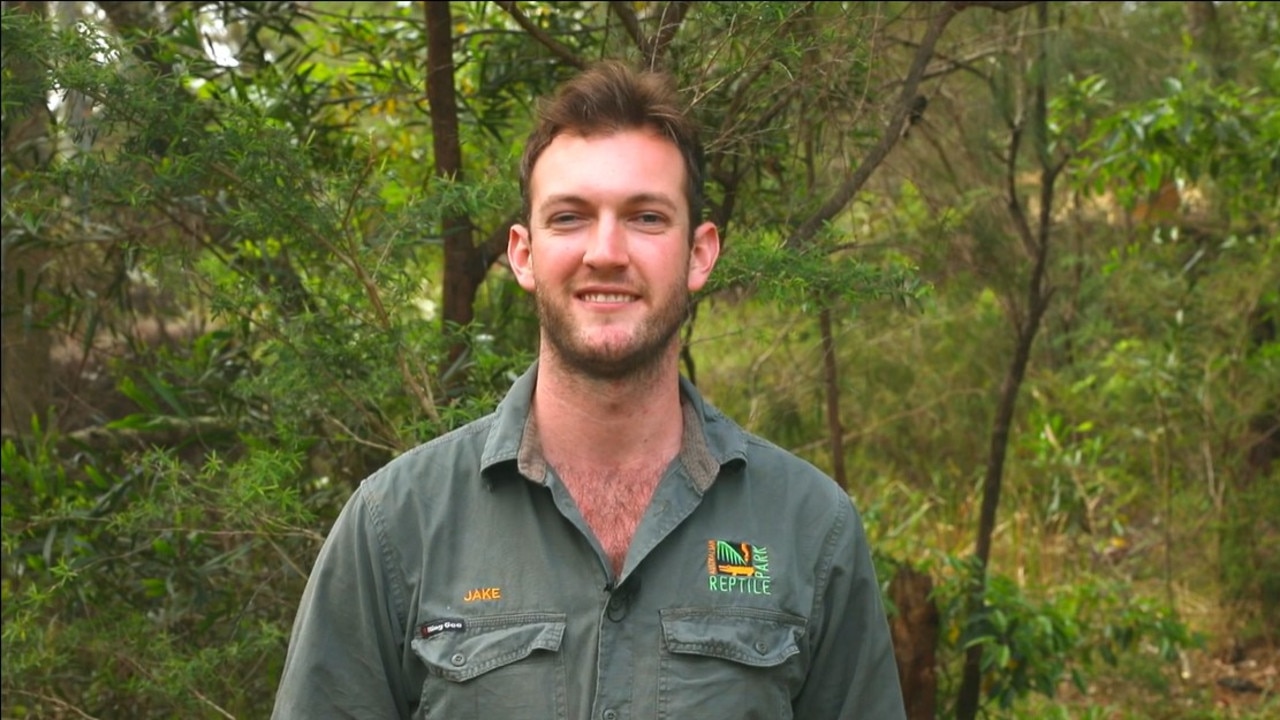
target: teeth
<point>606,298</point>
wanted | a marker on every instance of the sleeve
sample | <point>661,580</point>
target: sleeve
<point>852,673</point>
<point>344,657</point>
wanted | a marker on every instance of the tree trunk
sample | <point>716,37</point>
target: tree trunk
<point>970,686</point>
<point>26,373</point>
<point>465,263</point>
<point>462,272</point>
<point>831,373</point>
<point>1027,325</point>
<point>915,630</point>
<point>1206,35</point>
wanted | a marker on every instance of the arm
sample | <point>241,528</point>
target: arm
<point>852,673</point>
<point>344,653</point>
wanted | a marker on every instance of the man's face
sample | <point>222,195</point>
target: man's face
<point>607,252</point>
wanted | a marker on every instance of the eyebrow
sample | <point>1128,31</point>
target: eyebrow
<point>637,199</point>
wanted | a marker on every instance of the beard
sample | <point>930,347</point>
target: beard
<point>637,355</point>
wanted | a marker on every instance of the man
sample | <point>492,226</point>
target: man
<point>606,545</point>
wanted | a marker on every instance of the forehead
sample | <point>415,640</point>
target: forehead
<point>607,167</point>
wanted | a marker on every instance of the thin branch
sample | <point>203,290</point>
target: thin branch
<point>199,695</point>
<point>174,432</point>
<point>422,391</point>
<point>360,404</point>
<point>285,557</point>
<point>767,115</point>
<point>867,429</point>
<point>1014,200</point>
<point>892,133</point>
<point>741,96</point>
<point>630,22</point>
<point>947,65</point>
<point>494,247</point>
<point>58,702</point>
<point>556,48</point>
<point>356,438</point>
<point>1014,204</point>
<point>709,58</point>
<point>996,5</point>
<point>733,117</point>
<point>669,21</point>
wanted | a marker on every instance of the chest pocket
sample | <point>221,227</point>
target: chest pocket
<point>500,666</point>
<point>736,663</point>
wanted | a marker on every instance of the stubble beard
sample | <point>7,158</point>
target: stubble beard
<point>638,356</point>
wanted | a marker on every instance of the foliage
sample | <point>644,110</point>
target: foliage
<point>813,274</point>
<point>235,249</point>
<point>174,538</point>
<point>1033,646</point>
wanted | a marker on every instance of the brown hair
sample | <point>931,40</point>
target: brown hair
<point>611,97</point>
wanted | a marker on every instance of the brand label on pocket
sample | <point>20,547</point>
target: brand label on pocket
<point>430,629</point>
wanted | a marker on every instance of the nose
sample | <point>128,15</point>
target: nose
<point>607,244</point>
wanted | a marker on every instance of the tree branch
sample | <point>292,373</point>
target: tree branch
<point>421,390</point>
<point>59,702</point>
<point>947,64</point>
<point>172,433</point>
<point>892,132</point>
<point>996,5</point>
<point>555,46</point>
<point>670,18</point>
<point>630,22</point>
<point>494,246</point>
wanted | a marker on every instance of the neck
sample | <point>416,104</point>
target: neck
<point>612,424</point>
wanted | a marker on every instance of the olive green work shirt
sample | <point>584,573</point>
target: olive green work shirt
<point>461,582</point>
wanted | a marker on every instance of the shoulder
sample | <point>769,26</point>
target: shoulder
<point>765,461</point>
<point>771,457</point>
<point>432,467</point>
<point>798,478</point>
<point>763,465</point>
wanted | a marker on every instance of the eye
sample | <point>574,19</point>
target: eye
<point>563,219</point>
<point>650,220</point>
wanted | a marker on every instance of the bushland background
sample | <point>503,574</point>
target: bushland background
<point>1008,271</point>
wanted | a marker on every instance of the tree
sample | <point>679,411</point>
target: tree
<point>266,262</point>
<point>27,340</point>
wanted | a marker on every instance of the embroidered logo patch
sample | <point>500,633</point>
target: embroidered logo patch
<point>737,567</point>
<point>429,630</point>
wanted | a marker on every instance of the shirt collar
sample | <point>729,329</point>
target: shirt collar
<point>710,439</point>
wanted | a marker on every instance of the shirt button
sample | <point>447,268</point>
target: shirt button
<point>609,714</point>
<point>617,608</point>
<point>761,647</point>
<point>458,659</point>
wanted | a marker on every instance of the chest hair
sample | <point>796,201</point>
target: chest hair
<point>612,504</point>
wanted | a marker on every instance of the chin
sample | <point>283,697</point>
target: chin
<point>611,361</point>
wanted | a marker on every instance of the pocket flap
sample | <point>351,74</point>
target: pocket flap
<point>749,636</point>
<point>489,642</point>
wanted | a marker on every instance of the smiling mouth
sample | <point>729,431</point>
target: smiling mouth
<point>606,297</point>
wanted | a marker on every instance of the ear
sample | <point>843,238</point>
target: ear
<point>703,254</point>
<point>520,255</point>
